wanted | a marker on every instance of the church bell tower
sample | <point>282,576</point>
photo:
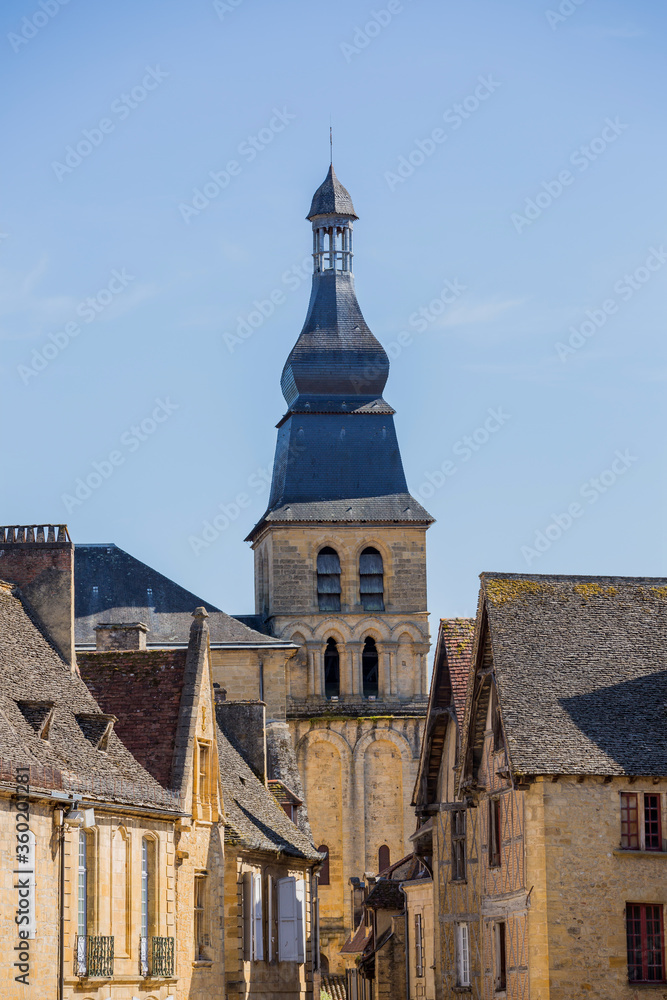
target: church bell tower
<point>340,569</point>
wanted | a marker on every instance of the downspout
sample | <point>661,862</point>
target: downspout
<point>61,906</point>
<point>407,947</point>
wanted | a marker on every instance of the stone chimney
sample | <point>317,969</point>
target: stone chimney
<point>120,635</point>
<point>39,558</point>
<point>244,725</point>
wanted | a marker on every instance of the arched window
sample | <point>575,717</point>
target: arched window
<point>369,669</point>
<point>384,858</point>
<point>331,670</point>
<point>328,579</point>
<point>371,580</point>
<point>324,874</point>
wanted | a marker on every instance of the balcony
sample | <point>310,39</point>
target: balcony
<point>161,965</point>
<point>93,957</point>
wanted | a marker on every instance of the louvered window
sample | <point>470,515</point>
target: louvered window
<point>328,580</point>
<point>462,955</point>
<point>331,670</point>
<point>369,669</point>
<point>371,580</point>
<point>384,858</point>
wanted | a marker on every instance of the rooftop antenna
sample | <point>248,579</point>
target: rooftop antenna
<point>330,141</point>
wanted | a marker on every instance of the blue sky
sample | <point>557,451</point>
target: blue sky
<point>531,145</point>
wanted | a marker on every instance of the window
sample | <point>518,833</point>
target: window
<point>202,941</point>
<point>458,845</point>
<point>291,924</point>
<point>384,858</point>
<point>371,580</point>
<point>204,779</point>
<point>500,956</point>
<point>494,833</point>
<point>496,724</point>
<point>462,955</point>
<point>647,834</point>
<point>419,946</point>
<point>369,669</point>
<point>148,921</point>
<point>324,874</point>
<point>328,580</point>
<point>646,949</point>
<point>82,894</point>
<point>331,670</point>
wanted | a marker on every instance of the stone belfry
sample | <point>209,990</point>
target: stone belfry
<point>340,569</point>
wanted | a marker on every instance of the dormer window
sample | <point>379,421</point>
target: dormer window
<point>328,580</point>
<point>371,580</point>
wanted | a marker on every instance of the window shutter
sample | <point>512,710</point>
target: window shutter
<point>288,930</point>
<point>257,919</point>
<point>301,919</point>
<point>247,917</point>
<point>270,936</point>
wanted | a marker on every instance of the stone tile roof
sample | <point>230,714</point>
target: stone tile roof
<point>581,670</point>
<point>457,636</point>
<point>398,508</point>
<point>34,675</point>
<point>143,688</point>
<point>385,895</point>
<point>113,586</point>
<point>254,818</point>
<point>331,198</point>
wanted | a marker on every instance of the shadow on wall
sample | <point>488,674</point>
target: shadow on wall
<point>627,721</point>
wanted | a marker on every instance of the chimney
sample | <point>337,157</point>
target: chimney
<point>120,635</point>
<point>39,558</point>
<point>244,725</point>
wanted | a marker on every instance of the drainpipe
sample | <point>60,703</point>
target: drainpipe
<point>61,906</point>
<point>407,947</point>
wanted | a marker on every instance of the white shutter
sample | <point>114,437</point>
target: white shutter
<point>288,930</point>
<point>301,918</point>
<point>463,955</point>
<point>270,932</point>
<point>248,923</point>
<point>257,919</point>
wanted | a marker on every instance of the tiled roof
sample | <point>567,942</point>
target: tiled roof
<point>581,670</point>
<point>113,586</point>
<point>457,635</point>
<point>254,818</point>
<point>32,673</point>
<point>331,198</point>
<point>398,508</point>
<point>385,895</point>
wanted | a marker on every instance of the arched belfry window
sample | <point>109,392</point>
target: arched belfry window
<point>331,670</point>
<point>384,858</point>
<point>325,878</point>
<point>328,579</point>
<point>371,580</point>
<point>369,668</point>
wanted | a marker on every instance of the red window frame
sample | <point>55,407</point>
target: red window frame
<point>645,942</point>
<point>652,822</point>
<point>630,821</point>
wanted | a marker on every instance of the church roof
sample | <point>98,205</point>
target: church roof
<point>110,585</point>
<point>397,508</point>
<point>581,670</point>
<point>331,198</point>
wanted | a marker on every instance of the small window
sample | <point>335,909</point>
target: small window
<point>371,580</point>
<point>458,845</point>
<point>419,946</point>
<point>324,874</point>
<point>496,724</point>
<point>147,887</point>
<point>629,821</point>
<point>384,858</point>
<point>494,833</point>
<point>202,941</point>
<point>370,669</point>
<point>82,895</point>
<point>328,580</point>
<point>652,824</point>
<point>462,955</point>
<point>501,956</point>
<point>641,821</point>
<point>645,939</point>
<point>331,670</point>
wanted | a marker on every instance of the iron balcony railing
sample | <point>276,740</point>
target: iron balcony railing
<point>94,956</point>
<point>162,957</point>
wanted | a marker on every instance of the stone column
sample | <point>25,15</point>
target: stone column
<point>353,650</point>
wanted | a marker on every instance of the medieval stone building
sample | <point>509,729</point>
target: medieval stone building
<point>340,570</point>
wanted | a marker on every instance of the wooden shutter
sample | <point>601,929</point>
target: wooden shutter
<point>301,919</point>
<point>257,919</point>
<point>288,928</point>
<point>270,931</point>
<point>247,916</point>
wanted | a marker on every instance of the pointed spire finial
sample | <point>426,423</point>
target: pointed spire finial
<point>330,142</point>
